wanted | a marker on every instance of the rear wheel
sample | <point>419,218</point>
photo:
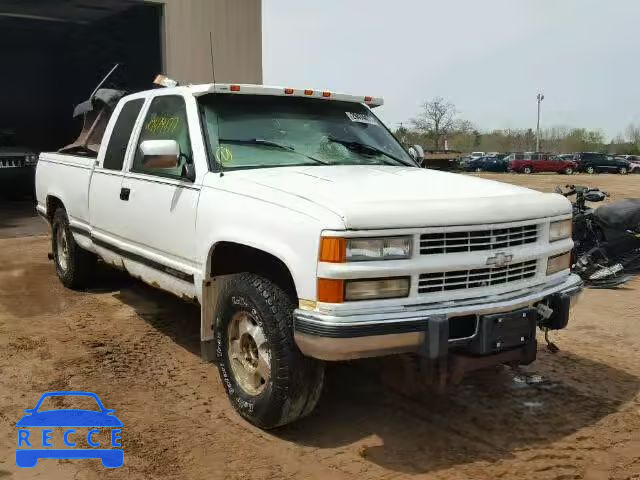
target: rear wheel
<point>73,264</point>
<point>268,380</point>
<point>590,170</point>
<point>478,170</point>
<point>568,171</point>
<point>622,170</point>
<point>527,170</point>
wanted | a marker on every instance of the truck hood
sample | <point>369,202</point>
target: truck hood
<point>370,197</point>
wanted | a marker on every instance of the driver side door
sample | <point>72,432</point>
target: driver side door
<point>160,203</point>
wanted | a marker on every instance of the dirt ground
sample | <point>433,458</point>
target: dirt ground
<point>573,415</point>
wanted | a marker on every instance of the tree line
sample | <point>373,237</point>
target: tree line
<point>439,121</point>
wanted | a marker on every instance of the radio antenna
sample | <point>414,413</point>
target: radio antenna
<point>106,77</point>
<point>213,74</point>
<point>213,68</point>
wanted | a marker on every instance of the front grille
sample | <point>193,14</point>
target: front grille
<point>479,277</point>
<point>11,162</point>
<point>478,240</point>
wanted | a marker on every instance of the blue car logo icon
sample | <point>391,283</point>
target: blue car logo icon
<point>69,419</point>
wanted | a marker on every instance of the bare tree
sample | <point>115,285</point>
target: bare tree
<point>633,134</point>
<point>438,119</point>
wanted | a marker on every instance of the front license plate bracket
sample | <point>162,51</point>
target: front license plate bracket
<point>503,331</point>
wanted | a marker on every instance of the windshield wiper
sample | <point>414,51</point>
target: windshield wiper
<point>355,145</point>
<point>269,143</point>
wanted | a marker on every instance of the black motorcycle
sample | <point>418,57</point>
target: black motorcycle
<point>606,239</point>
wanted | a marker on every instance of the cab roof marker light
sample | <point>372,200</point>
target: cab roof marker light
<point>326,94</point>
<point>368,98</point>
<point>288,91</point>
<point>308,92</point>
<point>234,88</point>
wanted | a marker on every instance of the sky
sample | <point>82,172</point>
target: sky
<point>488,57</point>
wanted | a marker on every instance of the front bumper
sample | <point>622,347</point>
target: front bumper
<point>424,330</point>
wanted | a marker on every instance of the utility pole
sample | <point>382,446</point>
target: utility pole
<point>540,97</point>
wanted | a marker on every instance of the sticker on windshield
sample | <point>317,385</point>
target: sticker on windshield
<point>225,156</point>
<point>361,118</point>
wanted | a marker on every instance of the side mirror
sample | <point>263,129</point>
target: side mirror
<point>189,171</point>
<point>160,153</point>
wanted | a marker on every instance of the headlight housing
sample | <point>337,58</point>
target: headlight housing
<point>560,230</point>
<point>558,263</point>
<point>338,250</point>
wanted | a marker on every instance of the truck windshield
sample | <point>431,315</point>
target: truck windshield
<point>259,131</point>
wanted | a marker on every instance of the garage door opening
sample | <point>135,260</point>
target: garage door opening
<point>52,64</point>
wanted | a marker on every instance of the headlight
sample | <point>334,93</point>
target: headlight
<point>560,230</point>
<point>558,263</point>
<point>338,250</point>
<point>389,248</point>
<point>376,289</point>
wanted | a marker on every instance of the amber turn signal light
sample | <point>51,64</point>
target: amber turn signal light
<point>330,291</point>
<point>333,249</point>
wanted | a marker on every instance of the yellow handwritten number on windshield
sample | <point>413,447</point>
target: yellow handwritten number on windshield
<point>224,154</point>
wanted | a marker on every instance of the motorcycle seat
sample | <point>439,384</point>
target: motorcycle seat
<point>623,215</point>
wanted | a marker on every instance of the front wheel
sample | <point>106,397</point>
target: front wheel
<point>568,171</point>
<point>478,170</point>
<point>590,170</point>
<point>527,170</point>
<point>268,380</point>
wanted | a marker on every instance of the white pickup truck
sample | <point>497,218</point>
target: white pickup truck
<point>307,234</point>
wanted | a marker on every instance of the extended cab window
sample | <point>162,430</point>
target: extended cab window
<point>254,131</point>
<point>117,147</point>
<point>166,120</point>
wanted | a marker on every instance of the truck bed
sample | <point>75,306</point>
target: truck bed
<point>65,177</point>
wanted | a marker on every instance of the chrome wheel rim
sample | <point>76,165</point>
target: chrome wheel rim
<point>590,170</point>
<point>62,248</point>
<point>249,355</point>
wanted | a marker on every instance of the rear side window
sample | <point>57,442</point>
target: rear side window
<point>117,147</point>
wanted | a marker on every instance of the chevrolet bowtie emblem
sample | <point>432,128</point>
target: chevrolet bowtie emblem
<point>500,260</point>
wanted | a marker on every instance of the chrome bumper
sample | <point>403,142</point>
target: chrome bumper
<point>334,337</point>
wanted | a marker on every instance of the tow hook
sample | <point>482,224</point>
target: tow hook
<point>545,312</point>
<point>552,347</point>
<point>50,255</point>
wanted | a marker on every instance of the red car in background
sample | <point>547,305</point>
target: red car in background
<point>530,162</point>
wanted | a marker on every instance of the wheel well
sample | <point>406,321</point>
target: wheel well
<point>229,258</point>
<point>53,203</point>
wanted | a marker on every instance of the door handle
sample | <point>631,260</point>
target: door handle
<point>124,194</point>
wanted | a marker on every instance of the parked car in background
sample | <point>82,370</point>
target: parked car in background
<point>634,166</point>
<point>634,162</point>
<point>475,155</point>
<point>531,162</point>
<point>16,165</point>
<point>594,162</point>
<point>486,164</point>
